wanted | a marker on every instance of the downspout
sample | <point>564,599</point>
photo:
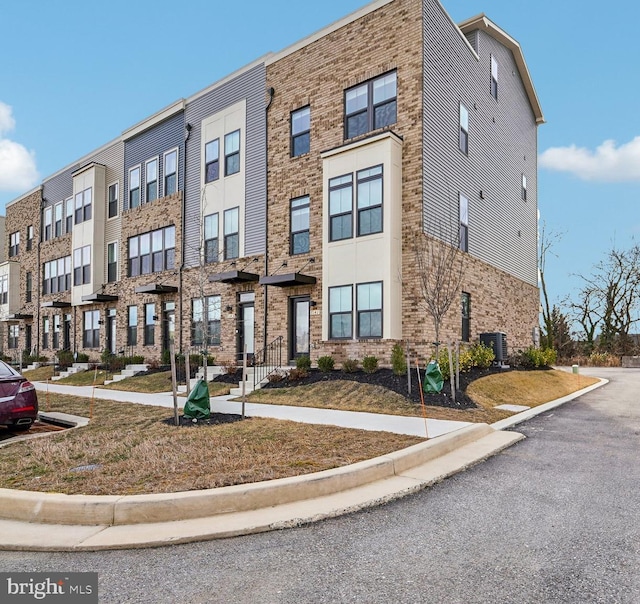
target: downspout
<point>271,92</point>
<point>187,132</point>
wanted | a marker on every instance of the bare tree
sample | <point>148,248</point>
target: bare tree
<point>584,311</point>
<point>546,242</point>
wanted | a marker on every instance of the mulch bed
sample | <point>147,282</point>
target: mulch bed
<point>214,420</point>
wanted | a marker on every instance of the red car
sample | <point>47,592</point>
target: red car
<point>18,399</point>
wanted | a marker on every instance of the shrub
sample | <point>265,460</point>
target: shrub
<point>297,373</point>
<point>230,367</point>
<point>534,358</point>
<point>370,364</point>
<point>603,359</point>
<point>350,365</point>
<point>275,377</point>
<point>65,358</point>
<point>326,363</point>
<point>165,359</point>
<point>398,360</point>
<point>82,358</point>
<point>481,356</point>
<point>303,362</point>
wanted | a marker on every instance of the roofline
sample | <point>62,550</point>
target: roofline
<point>17,199</point>
<point>156,118</point>
<point>489,27</point>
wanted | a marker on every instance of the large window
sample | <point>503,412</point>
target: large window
<point>340,207</point>
<point>134,187</point>
<point>14,244</point>
<point>82,265</point>
<point>494,77</point>
<point>4,289</point>
<point>211,241</point>
<point>170,172</point>
<point>369,201</point>
<point>300,131</point>
<point>14,336</point>
<point>91,331</point>
<point>341,312</point>
<point>371,105</point>
<point>112,198</point>
<point>463,139</point>
<point>152,252</point>
<point>57,219</point>
<point>112,262</point>
<point>207,318</point>
<point>464,223</point>
<point>83,201</point>
<point>132,325</point>
<point>149,324</point>
<point>300,225</point>
<point>68,215</point>
<point>231,233</point>
<point>48,223</point>
<point>369,310</point>
<point>56,276</point>
<point>232,153</point>
<point>151,180</point>
<point>212,160</point>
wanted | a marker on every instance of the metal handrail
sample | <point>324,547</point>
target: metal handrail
<point>267,361</point>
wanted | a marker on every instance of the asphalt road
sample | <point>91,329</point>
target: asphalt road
<point>555,518</point>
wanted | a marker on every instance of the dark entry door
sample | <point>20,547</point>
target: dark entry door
<point>111,330</point>
<point>66,333</point>
<point>299,334</point>
<point>246,325</point>
<point>168,324</point>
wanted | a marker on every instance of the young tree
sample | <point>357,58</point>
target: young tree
<point>546,242</point>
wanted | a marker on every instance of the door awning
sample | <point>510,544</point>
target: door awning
<point>19,316</point>
<point>99,297</point>
<point>156,288</point>
<point>233,277</point>
<point>55,304</point>
<point>287,280</point>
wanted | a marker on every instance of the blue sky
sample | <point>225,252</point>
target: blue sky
<point>73,78</point>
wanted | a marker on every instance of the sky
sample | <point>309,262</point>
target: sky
<point>72,79</point>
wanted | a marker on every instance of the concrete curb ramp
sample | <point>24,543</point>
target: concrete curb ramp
<point>56,522</point>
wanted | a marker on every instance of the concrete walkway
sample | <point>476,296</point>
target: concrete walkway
<point>55,522</point>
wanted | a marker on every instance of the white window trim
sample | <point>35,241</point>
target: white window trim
<point>131,169</point>
<point>164,155</point>
<point>158,191</point>
<point>117,184</point>
<point>116,243</point>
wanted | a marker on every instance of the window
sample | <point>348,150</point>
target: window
<point>340,312</point>
<point>149,324</point>
<point>48,222</point>
<point>463,139</point>
<point>300,131</point>
<point>132,325</point>
<point>466,316</point>
<point>134,187</point>
<point>369,201</point>
<point>112,199</point>
<point>29,238</point>
<point>464,223</point>
<point>523,189</point>
<point>14,335</point>
<point>300,225</point>
<point>83,205</point>
<point>494,78</point>
<point>369,310</point>
<point>210,318</point>
<point>4,289</point>
<point>170,172</point>
<point>56,331</point>
<point>56,276</point>
<point>152,252</point>
<point>45,332</point>
<point>231,234</point>
<point>340,207</point>
<point>371,105</point>
<point>212,160</point>
<point>14,244</point>
<point>82,265</point>
<point>112,262</point>
<point>211,238</point>
<point>68,215</point>
<point>151,180</point>
<point>28,286</point>
<point>232,153</point>
<point>91,332</point>
<point>57,220</point>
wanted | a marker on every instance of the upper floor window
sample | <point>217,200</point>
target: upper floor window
<point>82,265</point>
<point>465,303</point>
<point>48,223</point>
<point>28,286</point>
<point>232,153</point>
<point>464,223</point>
<point>112,199</point>
<point>300,131</point>
<point>4,289</point>
<point>211,241</point>
<point>57,219</point>
<point>29,237</point>
<point>14,244</point>
<point>152,252</point>
<point>83,201</point>
<point>56,276</point>
<point>371,105</point>
<point>112,262</point>
<point>170,172</point>
<point>151,180</point>
<point>231,233</point>
<point>369,310</point>
<point>68,215</point>
<point>463,139</point>
<point>300,225</point>
<point>494,77</point>
<point>212,160</point>
<point>340,207</point>
<point>369,199</point>
<point>523,189</point>
<point>134,187</point>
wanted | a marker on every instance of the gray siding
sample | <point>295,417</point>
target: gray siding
<point>165,136</point>
<point>251,86</point>
<point>502,146</point>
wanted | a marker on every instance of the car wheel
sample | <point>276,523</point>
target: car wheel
<point>19,427</point>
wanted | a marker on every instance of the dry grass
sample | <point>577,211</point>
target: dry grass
<point>41,374</point>
<point>159,382</point>
<point>137,453</point>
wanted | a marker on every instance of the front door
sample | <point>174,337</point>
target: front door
<point>111,330</point>
<point>246,325</point>
<point>299,334</point>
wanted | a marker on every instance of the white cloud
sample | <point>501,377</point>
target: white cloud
<point>607,163</point>
<point>17,165</point>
